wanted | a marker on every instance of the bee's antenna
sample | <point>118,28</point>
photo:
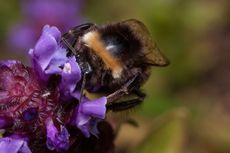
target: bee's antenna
<point>69,46</point>
<point>82,87</point>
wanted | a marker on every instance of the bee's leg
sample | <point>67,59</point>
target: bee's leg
<point>129,87</point>
<point>69,46</point>
<point>82,87</point>
<point>124,90</point>
<point>127,104</point>
<point>86,70</point>
<point>139,93</point>
<point>124,105</point>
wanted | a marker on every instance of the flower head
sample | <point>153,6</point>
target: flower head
<point>42,104</point>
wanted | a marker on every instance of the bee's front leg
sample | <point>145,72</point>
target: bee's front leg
<point>124,90</point>
<point>128,88</point>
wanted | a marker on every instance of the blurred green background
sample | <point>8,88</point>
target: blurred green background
<point>187,109</point>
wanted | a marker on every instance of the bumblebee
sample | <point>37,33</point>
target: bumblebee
<point>114,58</point>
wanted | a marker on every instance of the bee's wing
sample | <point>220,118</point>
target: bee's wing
<point>151,51</point>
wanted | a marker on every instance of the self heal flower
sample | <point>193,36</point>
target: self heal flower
<point>64,14</point>
<point>49,58</point>
<point>42,103</point>
<point>56,140</point>
<point>87,115</point>
<point>14,144</point>
<point>52,11</point>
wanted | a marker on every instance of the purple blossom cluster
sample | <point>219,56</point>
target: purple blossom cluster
<point>36,13</point>
<point>41,103</point>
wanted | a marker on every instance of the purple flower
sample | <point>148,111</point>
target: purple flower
<point>49,58</point>
<point>46,48</point>
<point>42,102</point>
<point>71,75</point>
<point>37,13</point>
<point>14,144</point>
<point>22,37</point>
<point>56,140</point>
<point>54,12</point>
<point>87,114</point>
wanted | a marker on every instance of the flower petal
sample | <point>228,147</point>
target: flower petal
<point>95,108</point>
<point>87,115</point>
<point>58,140</point>
<point>53,31</point>
<point>71,75</point>
<point>46,46</point>
<point>14,145</point>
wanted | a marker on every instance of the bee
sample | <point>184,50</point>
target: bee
<point>114,58</point>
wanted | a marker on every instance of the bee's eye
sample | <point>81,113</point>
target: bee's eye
<point>85,27</point>
<point>30,114</point>
<point>82,27</point>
